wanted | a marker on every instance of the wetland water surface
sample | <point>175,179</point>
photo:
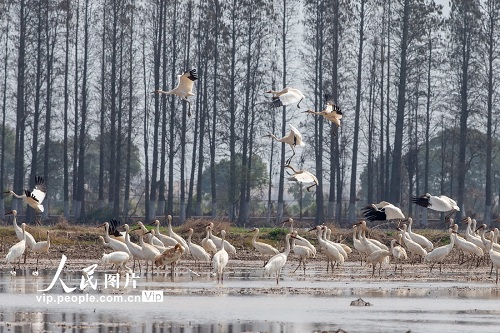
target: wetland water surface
<point>247,302</point>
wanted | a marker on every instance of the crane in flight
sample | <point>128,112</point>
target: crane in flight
<point>293,139</point>
<point>332,112</point>
<point>34,198</point>
<point>184,88</point>
<point>286,97</point>
<point>303,176</point>
<point>440,203</point>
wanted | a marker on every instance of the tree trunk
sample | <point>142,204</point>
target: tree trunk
<point>395,185</point>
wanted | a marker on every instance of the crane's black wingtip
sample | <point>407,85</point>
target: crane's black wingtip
<point>421,201</point>
<point>193,75</point>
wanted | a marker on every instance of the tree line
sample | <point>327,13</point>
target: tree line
<point>417,88</point>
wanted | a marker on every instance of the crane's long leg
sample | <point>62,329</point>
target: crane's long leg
<point>299,103</point>
<point>290,158</point>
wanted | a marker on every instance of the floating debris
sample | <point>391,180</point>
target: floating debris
<point>360,302</point>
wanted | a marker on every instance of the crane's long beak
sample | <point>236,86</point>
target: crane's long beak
<point>101,225</point>
<point>9,213</point>
<point>313,228</point>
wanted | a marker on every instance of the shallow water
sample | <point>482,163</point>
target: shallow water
<point>247,302</point>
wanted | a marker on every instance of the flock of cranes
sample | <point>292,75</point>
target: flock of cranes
<point>158,250</point>
<point>161,250</point>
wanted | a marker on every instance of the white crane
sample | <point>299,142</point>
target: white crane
<point>421,240</point>
<point>337,245</point>
<point>494,257</point>
<point>278,261</point>
<point>333,255</point>
<point>149,252</point>
<point>41,247</point>
<point>377,257</point>
<point>114,243</point>
<point>439,253</point>
<point>17,250</point>
<point>117,258</point>
<point>440,203</point>
<point>486,242</point>
<point>166,240</point>
<point>170,256</point>
<point>175,236</point>
<point>113,231</point>
<point>220,259</point>
<point>286,97</point>
<point>412,246</point>
<point>217,241</point>
<point>197,251</point>
<point>372,240</point>
<point>155,240</point>
<point>303,176</point>
<point>382,211</point>
<point>299,240</point>
<point>357,243</point>
<point>184,88</point>
<point>152,235</point>
<point>471,235</point>
<point>207,243</point>
<point>346,248</point>
<point>303,252</point>
<point>30,240</point>
<point>263,248</point>
<point>368,243</point>
<point>465,246</point>
<point>293,139</point>
<point>398,253</point>
<point>332,112</point>
<point>134,249</point>
<point>34,198</point>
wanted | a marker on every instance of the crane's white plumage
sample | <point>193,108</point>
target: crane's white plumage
<point>303,252</point>
<point>303,176</point>
<point>331,112</point>
<point>382,211</point>
<point>440,203</point>
<point>166,240</point>
<point>278,261</point>
<point>299,240</point>
<point>263,248</point>
<point>494,255</point>
<point>175,236</point>
<point>184,88</point>
<point>465,245</point>
<point>35,197</point>
<point>218,241</point>
<point>197,251</point>
<point>117,258</point>
<point>439,253</point>
<point>411,245</point>
<point>220,259</point>
<point>17,250</point>
<point>207,243</point>
<point>286,97</point>
<point>398,253</point>
<point>332,253</point>
<point>377,257</point>
<point>30,240</point>
<point>113,243</point>
<point>293,139</point>
<point>421,240</point>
